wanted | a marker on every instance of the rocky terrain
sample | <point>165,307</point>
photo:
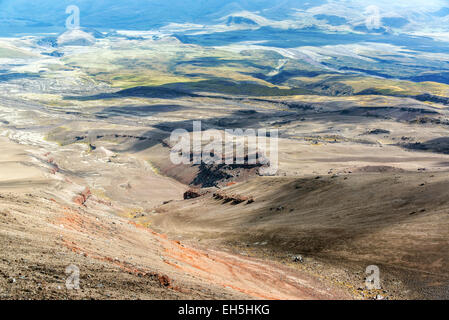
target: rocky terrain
<point>86,178</point>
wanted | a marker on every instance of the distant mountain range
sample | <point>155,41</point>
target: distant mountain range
<point>24,16</point>
<point>42,15</point>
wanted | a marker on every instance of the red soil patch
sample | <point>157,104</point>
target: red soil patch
<point>83,197</point>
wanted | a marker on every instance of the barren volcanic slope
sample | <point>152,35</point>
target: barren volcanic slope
<point>86,178</point>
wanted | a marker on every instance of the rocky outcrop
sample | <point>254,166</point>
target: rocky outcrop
<point>82,197</point>
<point>194,193</point>
<point>232,198</point>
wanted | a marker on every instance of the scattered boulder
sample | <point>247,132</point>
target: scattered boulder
<point>379,169</point>
<point>82,197</point>
<point>126,186</point>
<point>192,194</point>
<point>164,280</point>
<point>233,198</point>
<point>379,131</point>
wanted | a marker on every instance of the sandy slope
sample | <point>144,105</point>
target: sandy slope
<point>43,231</point>
<point>16,170</point>
<point>398,221</point>
<point>340,224</point>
